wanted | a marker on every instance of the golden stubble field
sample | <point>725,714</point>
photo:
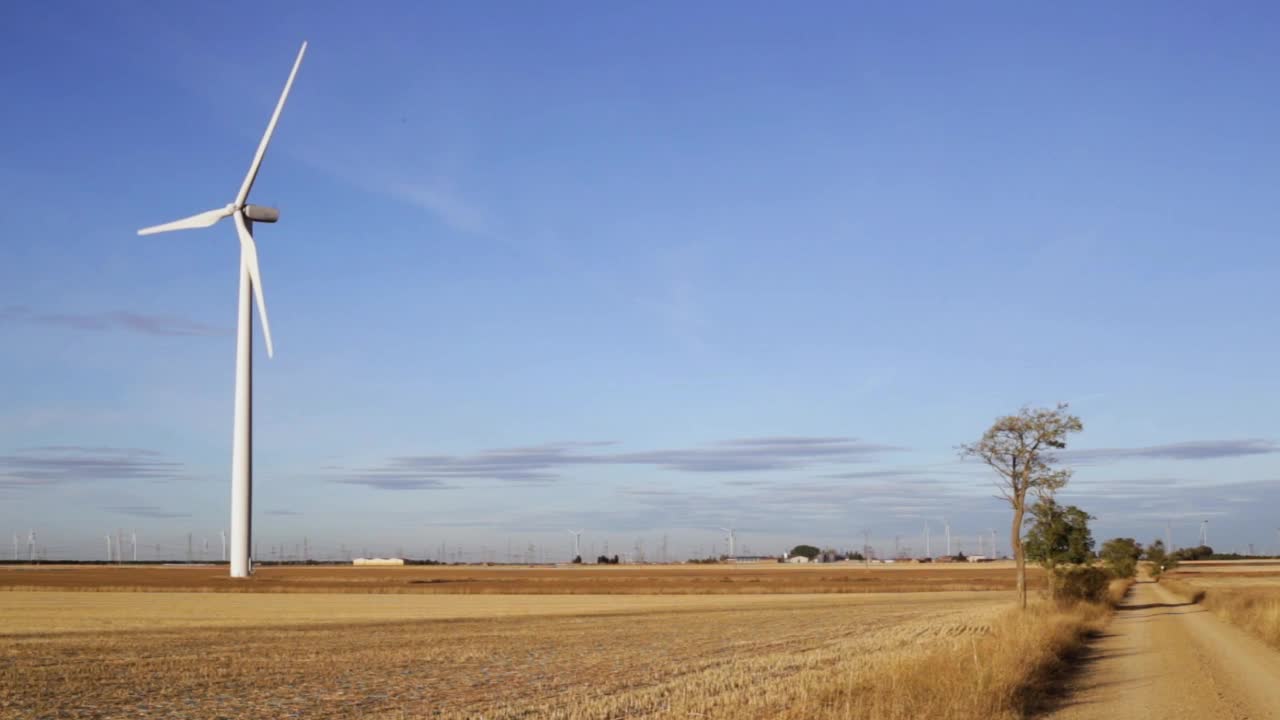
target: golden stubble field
<point>67,653</point>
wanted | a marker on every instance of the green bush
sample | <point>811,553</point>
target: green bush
<point>1079,582</point>
<point>1121,555</point>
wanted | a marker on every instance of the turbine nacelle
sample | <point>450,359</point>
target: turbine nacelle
<point>261,213</point>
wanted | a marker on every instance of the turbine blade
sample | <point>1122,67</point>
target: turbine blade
<point>249,251</point>
<point>204,219</point>
<point>266,137</point>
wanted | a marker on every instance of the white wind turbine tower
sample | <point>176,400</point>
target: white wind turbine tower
<point>577,542</point>
<point>224,545</point>
<point>1204,532</point>
<point>732,539</point>
<point>244,216</point>
<point>31,545</point>
<point>947,525</point>
<point>928,550</point>
<point>108,547</point>
<point>135,546</point>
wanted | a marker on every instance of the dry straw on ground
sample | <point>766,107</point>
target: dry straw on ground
<point>1246,596</point>
<point>935,654</point>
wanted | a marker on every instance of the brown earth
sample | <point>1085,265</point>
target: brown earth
<point>593,580</point>
<point>1165,657</point>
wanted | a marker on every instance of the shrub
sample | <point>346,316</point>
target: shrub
<point>1121,555</point>
<point>1079,583</point>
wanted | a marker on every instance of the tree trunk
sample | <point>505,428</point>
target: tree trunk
<point>1019,557</point>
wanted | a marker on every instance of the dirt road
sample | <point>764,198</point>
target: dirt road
<point>1164,658</point>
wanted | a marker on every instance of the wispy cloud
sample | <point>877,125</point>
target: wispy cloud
<point>119,320</point>
<point>1190,450</point>
<point>543,463</point>
<point>59,464</point>
<point>148,511</point>
<point>441,200</point>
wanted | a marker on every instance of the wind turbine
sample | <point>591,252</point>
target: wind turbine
<point>1204,532</point>
<point>108,548</point>
<point>947,524</point>
<point>244,215</point>
<point>577,543</point>
<point>928,550</point>
<point>732,539</point>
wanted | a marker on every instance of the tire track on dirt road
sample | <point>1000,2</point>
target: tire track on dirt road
<point>1162,657</point>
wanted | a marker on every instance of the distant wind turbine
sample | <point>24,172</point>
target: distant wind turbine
<point>732,540</point>
<point>244,215</point>
<point>577,543</point>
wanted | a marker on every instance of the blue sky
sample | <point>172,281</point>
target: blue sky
<point>643,270</point>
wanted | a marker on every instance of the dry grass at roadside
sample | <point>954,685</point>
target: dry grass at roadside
<point>1006,672</point>
<point>1255,608</point>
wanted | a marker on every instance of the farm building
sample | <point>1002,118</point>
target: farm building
<point>378,561</point>
<point>797,559</point>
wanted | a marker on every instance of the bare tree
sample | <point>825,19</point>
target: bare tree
<point>1020,449</point>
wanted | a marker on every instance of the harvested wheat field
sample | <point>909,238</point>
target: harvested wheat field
<point>521,580</point>
<point>175,654</point>
<point>1245,594</point>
